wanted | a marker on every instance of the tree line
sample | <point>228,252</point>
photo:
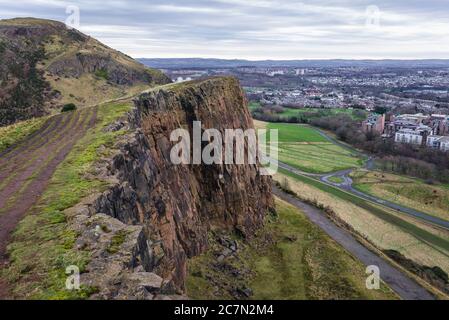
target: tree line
<point>421,162</point>
<point>418,161</point>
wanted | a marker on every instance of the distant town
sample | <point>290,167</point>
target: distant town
<point>409,105</point>
<point>418,129</point>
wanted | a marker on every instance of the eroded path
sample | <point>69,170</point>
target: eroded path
<point>26,169</point>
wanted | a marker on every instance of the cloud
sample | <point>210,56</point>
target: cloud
<point>258,29</point>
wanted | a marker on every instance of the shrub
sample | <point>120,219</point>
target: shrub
<point>69,107</point>
<point>102,73</point>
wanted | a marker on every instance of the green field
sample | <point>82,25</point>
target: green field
<point>289,259</point>
<point>253,106</point>
<point>304,148</point>
<point>289,112</point>
<point>291,133</point>
<point>312,112</point>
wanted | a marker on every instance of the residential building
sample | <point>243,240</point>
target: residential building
<point>374,124</point>
<point>444,144</point>
<point>416,136</point>
<point>433,141</point>
<point>438,142</point>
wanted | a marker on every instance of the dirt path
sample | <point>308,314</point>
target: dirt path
<point>26,169</point>
<point>405,287</point>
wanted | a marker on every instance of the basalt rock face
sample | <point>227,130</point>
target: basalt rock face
<point>178,205</point>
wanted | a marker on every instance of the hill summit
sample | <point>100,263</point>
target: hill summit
<point>45,65</point>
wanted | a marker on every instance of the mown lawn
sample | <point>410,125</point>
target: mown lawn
<point>336,180</point>
<point>290,259</point>
<point>297,133</point>
<point>304,148</point>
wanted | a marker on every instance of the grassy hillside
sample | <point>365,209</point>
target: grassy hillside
<point>386,229</point>
<point>44,65</point>
<point>290,259</point>
<point>43,244</point>
<point>14,134</point>
<point>412,193</point>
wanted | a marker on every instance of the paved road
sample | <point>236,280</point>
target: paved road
<point>404,286</point>
<point>347,185</point>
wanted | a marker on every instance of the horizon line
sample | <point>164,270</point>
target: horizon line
<point>310,59</point>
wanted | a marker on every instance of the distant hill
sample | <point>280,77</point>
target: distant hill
<point>44,65</point>
<point>219,63</point>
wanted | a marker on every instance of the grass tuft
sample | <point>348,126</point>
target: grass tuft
<point>16,133</point>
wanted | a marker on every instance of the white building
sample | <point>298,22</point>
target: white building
<point>409,136</point>
<point>275,73</point>
<point>438,142</point>
<point>433,141</point>
<point>444,144</point>
<point>181,79</point>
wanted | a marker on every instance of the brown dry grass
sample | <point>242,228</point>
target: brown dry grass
<point>383,235</point>
<point>88,90</point>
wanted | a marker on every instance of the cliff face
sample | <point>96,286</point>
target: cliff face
<point>177,206</point>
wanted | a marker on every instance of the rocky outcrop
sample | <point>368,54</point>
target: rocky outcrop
<point>175,207</point>
<point>41,60</point>
<point>112,70</point>
<point>23,89</point>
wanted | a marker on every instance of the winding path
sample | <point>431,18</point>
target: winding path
<point>347,185</point>
<point>404,286</point>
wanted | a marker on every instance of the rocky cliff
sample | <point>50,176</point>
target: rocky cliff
<point>175,207</point>
<point>45,65</point>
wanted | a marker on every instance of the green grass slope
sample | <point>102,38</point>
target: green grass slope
<point>409,192</point>
<point>290,259</point>
<point>14,134</point>
<point>42,245</point>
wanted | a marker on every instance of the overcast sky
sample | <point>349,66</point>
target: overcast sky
<point>257,29</point>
